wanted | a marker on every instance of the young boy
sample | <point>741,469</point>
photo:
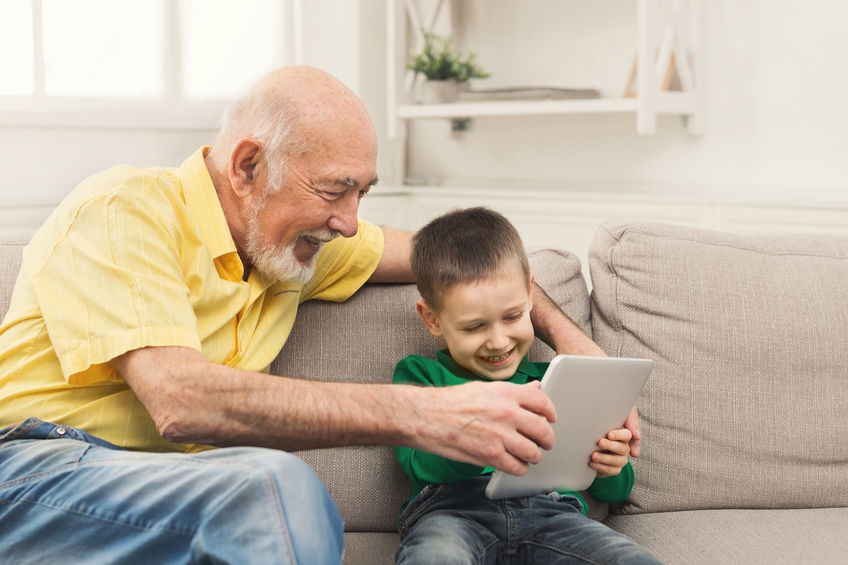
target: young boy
<point>475,283</point>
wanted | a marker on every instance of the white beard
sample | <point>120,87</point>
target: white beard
<point>280,265</point>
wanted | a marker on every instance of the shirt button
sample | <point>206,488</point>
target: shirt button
<point>60,431</point>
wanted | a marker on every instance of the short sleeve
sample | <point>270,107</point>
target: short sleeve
<point>613,490</point>
<point>411,370</point>
<point>113,282</point>
<point>345,264</point>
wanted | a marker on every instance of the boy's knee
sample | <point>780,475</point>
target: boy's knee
<point>446,551</point>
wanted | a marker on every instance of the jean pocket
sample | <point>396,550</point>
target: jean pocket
<point>420,505</point>
<point>566,499</point>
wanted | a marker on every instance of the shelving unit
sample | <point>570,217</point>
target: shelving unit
<point>650,100</point>
<point>667,103</point>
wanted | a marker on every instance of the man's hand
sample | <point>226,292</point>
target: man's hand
<point>500,424</point>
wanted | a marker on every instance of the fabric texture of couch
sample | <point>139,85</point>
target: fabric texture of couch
<point>744,457</point>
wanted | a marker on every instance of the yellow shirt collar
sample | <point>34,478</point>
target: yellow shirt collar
<point>202,199</point>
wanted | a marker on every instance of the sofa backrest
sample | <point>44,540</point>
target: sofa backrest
<point>11,247</point>
<point>747,403</point>
<point>360,341</point>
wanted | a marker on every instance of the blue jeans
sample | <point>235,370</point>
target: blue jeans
<point>68,497</point>
<point>456,523</point>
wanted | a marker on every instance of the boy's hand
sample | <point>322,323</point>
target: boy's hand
<point>615,449</point>
<point>632,424</point>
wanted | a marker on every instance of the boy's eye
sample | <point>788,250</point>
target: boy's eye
<point>514,317</point>
<point>472,329</point>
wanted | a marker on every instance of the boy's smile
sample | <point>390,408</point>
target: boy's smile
<point>486,323</point>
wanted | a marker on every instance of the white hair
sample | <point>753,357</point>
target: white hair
<point>272,120</point>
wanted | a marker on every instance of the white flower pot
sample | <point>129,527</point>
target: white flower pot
<point>438,91</point>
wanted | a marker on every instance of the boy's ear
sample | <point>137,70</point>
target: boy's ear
<point>530,290</point>
<point>243,166</point>
<point>429,318</point>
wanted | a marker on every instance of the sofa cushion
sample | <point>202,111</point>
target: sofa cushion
<point>11,247</point>
<point>371,548</point>
<point>746,405</point>
<point>706,537</point>
<point>360,341</point>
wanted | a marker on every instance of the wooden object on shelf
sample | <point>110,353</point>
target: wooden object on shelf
<point>670,78</point>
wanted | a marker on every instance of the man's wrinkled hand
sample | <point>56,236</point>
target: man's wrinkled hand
<point>496,424</point>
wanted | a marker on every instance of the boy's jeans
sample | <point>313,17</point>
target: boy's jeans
<point>456,523</point>
<point>68,497</point>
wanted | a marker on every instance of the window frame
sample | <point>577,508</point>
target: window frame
<point>170,111</point>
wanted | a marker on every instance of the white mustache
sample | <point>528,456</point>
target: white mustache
<point>321,236</point>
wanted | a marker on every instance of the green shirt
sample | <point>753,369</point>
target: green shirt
<point>424,468</point>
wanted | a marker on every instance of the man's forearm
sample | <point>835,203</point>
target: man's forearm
<point>192,400</point>
<point>394,263</point>
<point>556,329</point>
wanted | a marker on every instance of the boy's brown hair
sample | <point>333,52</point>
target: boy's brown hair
<point>463,246</point>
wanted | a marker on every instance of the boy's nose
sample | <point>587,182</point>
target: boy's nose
<point>498,340</point>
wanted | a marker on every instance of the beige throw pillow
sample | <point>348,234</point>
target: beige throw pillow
<point>747,406</point>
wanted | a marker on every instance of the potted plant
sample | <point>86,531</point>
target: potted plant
<point>446,71</point>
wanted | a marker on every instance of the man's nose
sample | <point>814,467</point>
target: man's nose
<point>345,218</point>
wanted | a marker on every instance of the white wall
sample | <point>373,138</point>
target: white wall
<point>776,121</point>
<point>772,156</point>
<point>40,165</point>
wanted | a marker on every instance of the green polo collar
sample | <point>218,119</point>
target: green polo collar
<point>526,370</point>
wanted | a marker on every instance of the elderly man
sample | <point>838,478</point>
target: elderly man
<point>150,305</point>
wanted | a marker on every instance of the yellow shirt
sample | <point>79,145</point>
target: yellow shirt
<point>143,257</point>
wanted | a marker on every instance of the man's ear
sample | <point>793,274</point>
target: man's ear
<point>243,165</point>
<point>429,318</point>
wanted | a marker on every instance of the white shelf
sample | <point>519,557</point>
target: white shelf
<point>654,57</point>
<point>667,103</point>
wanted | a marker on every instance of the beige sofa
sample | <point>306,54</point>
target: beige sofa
<point>745,417</point>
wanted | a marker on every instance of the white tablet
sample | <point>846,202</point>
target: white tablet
<point>592,395</point>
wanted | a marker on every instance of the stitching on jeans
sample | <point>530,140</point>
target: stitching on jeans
<point>29,478</point>
<point>546,545</point>
<point>277,495</point>
<point>99,518</point>
<point>110,463</point>
<point>24,427</point>
<point>438,494</point>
